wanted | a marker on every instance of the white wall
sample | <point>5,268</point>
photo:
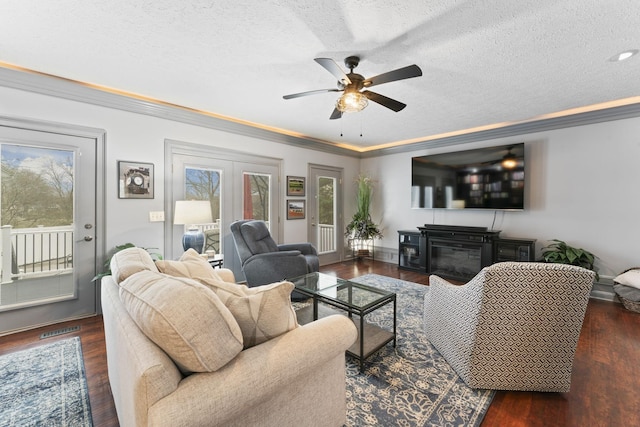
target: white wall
<point>583,187</point>
<point>136,137</point>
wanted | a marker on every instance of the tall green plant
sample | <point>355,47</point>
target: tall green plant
<point>362,226</point>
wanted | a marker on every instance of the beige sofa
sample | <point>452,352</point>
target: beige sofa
<point>294,379</point>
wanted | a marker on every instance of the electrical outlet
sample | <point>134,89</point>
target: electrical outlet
<point>156,216</point>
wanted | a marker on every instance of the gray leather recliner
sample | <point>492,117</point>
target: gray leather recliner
<point>264,261</point>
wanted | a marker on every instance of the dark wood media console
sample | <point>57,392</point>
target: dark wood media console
<point>458,252</point>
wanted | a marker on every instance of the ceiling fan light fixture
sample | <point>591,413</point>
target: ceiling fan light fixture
<point>352,102</point>
<point>509,161</point>
<point>624,55</point>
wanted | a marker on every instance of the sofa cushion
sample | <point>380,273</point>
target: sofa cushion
<point>256,235</point>
<point>263,312</point>
<point>130,261</point>
<point>190,264</point>
<point>184,318</point>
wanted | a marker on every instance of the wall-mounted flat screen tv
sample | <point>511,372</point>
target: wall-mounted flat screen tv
<point>482,178</point>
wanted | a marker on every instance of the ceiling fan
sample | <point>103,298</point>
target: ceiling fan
<point>354,97</point>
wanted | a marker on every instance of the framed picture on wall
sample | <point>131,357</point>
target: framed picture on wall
<point>295,209</point>
<point>295,186</point>
<point>135,180</point>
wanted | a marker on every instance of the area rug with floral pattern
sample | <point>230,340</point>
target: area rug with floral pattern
<point>410,384</point>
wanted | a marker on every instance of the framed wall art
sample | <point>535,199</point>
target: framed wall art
<point>295,209</point>
<point>135,180</point>
<point>295,186</point>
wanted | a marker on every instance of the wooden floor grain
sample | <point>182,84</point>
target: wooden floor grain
<point>605,387</point>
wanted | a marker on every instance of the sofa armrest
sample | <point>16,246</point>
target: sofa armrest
<point>256,374</point>
<point>140,373</point>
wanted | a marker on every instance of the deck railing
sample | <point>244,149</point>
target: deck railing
<point>28,252</point>
<point>326,238</point>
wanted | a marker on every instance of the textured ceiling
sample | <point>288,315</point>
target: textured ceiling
<point>484,63</point>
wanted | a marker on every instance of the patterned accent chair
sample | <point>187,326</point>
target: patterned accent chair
<point>514,326</point>
<point>264,261</point>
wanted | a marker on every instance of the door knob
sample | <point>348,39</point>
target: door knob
<point>88,238</point>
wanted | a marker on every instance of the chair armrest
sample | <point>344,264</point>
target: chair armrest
<point>451,315</point>
<point>256,374</point>
<point>271,267</point>
<point>280,254</point>
<point>304,248</point>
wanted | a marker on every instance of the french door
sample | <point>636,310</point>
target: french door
<point>238,187</point>
<point>48,214</point>
<point>325,225</point>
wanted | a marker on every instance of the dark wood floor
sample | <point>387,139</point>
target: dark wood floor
<point>605,386</point>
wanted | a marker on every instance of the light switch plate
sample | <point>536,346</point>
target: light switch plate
<point>156,216</point>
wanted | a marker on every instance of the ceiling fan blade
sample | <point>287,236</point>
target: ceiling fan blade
<point>391,104</point>
<point>331,66</point>
<point>311,92</point>
<point>337,114</point>
<point>391,76</point>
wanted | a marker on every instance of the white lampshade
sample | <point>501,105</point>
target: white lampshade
<point>190,212</point>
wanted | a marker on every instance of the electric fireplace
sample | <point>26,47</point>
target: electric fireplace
<point>458,253</point>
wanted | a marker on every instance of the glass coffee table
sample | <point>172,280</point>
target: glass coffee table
<point>355,299</point>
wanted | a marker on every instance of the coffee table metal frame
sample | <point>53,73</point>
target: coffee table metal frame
<point>332,283</point>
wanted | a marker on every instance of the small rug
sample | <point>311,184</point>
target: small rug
<point>45,386</point>
<point>411,384</point>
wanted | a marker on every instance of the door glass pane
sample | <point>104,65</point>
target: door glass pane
<point>256,196</point>
<point>37,197</point>
<point>204,184</point>
<point>327,231</point>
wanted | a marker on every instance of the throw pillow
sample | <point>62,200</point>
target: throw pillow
<point>190,264</point>
<point>263,312</point>
<point>629,278</point>
<point>184,318</point>
<point>130,261</point>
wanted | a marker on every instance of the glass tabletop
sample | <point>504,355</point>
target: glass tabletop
<point>352,294</point>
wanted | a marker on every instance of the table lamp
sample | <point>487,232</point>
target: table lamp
<point>190,213</point>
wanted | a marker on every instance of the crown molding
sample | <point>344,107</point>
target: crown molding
<point>580,119</point>
<point>76,91</point>
<point>45,84</point>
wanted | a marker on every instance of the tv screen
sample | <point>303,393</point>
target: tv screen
<point>482,178</point>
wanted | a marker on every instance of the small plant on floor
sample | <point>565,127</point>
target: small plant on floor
<point>561,253</point>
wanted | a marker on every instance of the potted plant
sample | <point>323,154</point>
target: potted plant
<point>361,228</point>
<point>561,253</point>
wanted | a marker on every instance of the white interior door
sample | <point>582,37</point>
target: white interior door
<point>48,216</point>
